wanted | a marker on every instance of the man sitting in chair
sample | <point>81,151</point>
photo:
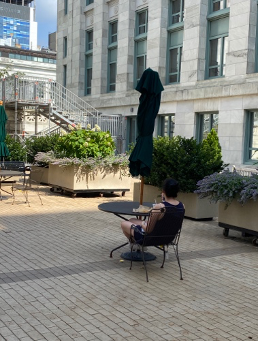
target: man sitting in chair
<point>170,189</point>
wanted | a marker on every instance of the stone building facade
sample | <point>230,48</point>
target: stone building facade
<point>204,50</point>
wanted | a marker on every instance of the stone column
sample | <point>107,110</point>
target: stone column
<point>240,58</point>
<point>194,43</point>
<point>157,37</point>
<point>100,43</point>
<point>125,52</point>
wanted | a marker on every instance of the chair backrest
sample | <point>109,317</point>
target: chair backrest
<point>164,225</point>
<point>13,165</point>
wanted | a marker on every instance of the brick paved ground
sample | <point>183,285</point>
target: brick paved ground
<point>57,281</point>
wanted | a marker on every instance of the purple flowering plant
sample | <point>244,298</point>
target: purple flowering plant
<point>227,186</point>
<point>108,163</point>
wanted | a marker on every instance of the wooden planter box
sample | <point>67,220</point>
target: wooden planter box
<point>195,208</point>
<point>40,174</point>
<point>77,179</point>
<point>238,217</point>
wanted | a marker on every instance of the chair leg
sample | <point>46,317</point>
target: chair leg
<point>145,266</point>
<point>39,196</point>
<point>111,253</point>
<point>178,261</point>
<point>164,257</point>
<point>131,257</point>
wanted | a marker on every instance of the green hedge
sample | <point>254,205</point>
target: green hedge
<point>185,160</point>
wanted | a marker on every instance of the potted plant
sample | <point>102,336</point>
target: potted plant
<point>84,161</point>
<point>237,196</point>
<point>187,161</point>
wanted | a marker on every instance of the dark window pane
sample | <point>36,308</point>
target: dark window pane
<point>112,87</point>
<point>255,132</point>
<point>173,60</point>
<point>142,22</point>
<point>215,48</point>
<point>172,78</point>
<point>113,73</point>
<point>214,72</point>
<point>140,66</point>
<point>176,6</point>
<point>114,32</point>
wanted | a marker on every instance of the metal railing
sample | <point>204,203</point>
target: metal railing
<point>41,92</point>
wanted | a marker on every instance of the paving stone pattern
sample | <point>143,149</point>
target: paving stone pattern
<point>57,281</point>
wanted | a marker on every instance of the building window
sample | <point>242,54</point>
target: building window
<point>204,123</point>
<point>65,6</point>
<point>217,47</point>
<point>88,2</point>
<point>166,124</point>
<point>141,44</point>
<point>251,140</point>
<point>217,5</point>
<point>64,75</point>
<point>141,58</point>
<point>174,56</point>
<point>131,130</point>
<point>112,57</point>
<point>88,62</point>
<point>176,11</point>
<point>65,47</point>
<point>113,32</point>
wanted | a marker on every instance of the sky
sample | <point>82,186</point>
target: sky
<point>46,17</point>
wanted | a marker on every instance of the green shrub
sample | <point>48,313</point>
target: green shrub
<point>16,148</point>
<point>185,160</point>
<point>86,143</point>
<point>40,144</point>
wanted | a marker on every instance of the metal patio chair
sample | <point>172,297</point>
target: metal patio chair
<point>27,186</point>
<point>163,230</point>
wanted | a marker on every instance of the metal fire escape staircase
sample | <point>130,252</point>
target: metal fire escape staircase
<point>53,101</point>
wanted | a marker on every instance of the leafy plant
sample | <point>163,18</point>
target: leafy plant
<point>16,148</point>
<point>185,160</point>
<point>227,186</point>
<point>40,144</point>
<point>86,143</point>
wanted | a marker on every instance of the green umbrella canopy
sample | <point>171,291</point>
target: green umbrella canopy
<point>3,147</point>
<point>150,88</point>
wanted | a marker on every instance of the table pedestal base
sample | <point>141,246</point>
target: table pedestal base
<point>136,256</point>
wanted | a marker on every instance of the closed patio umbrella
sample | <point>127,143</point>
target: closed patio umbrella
<point>140,159</point>
<point>3,147</point>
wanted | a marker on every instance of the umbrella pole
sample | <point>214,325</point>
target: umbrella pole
<point>141,190</point>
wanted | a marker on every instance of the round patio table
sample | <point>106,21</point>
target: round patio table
<point>125,208</point>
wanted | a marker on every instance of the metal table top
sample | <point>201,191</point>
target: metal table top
<point>123,208</point>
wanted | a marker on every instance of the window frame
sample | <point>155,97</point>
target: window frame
<point>64,76</point>
<point>171,125</point>
<point>88,55</point>
<point>140,37</point>
<point>249,124</point>
<point>200,123</point>
<point>181,13</point>
<point>65,7</point>
<point>112,46</point>
<point>211,2</point>
<point>65,47</point>
<point>131,122</point>
<point>179,57</point>
<point>212,18</point>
